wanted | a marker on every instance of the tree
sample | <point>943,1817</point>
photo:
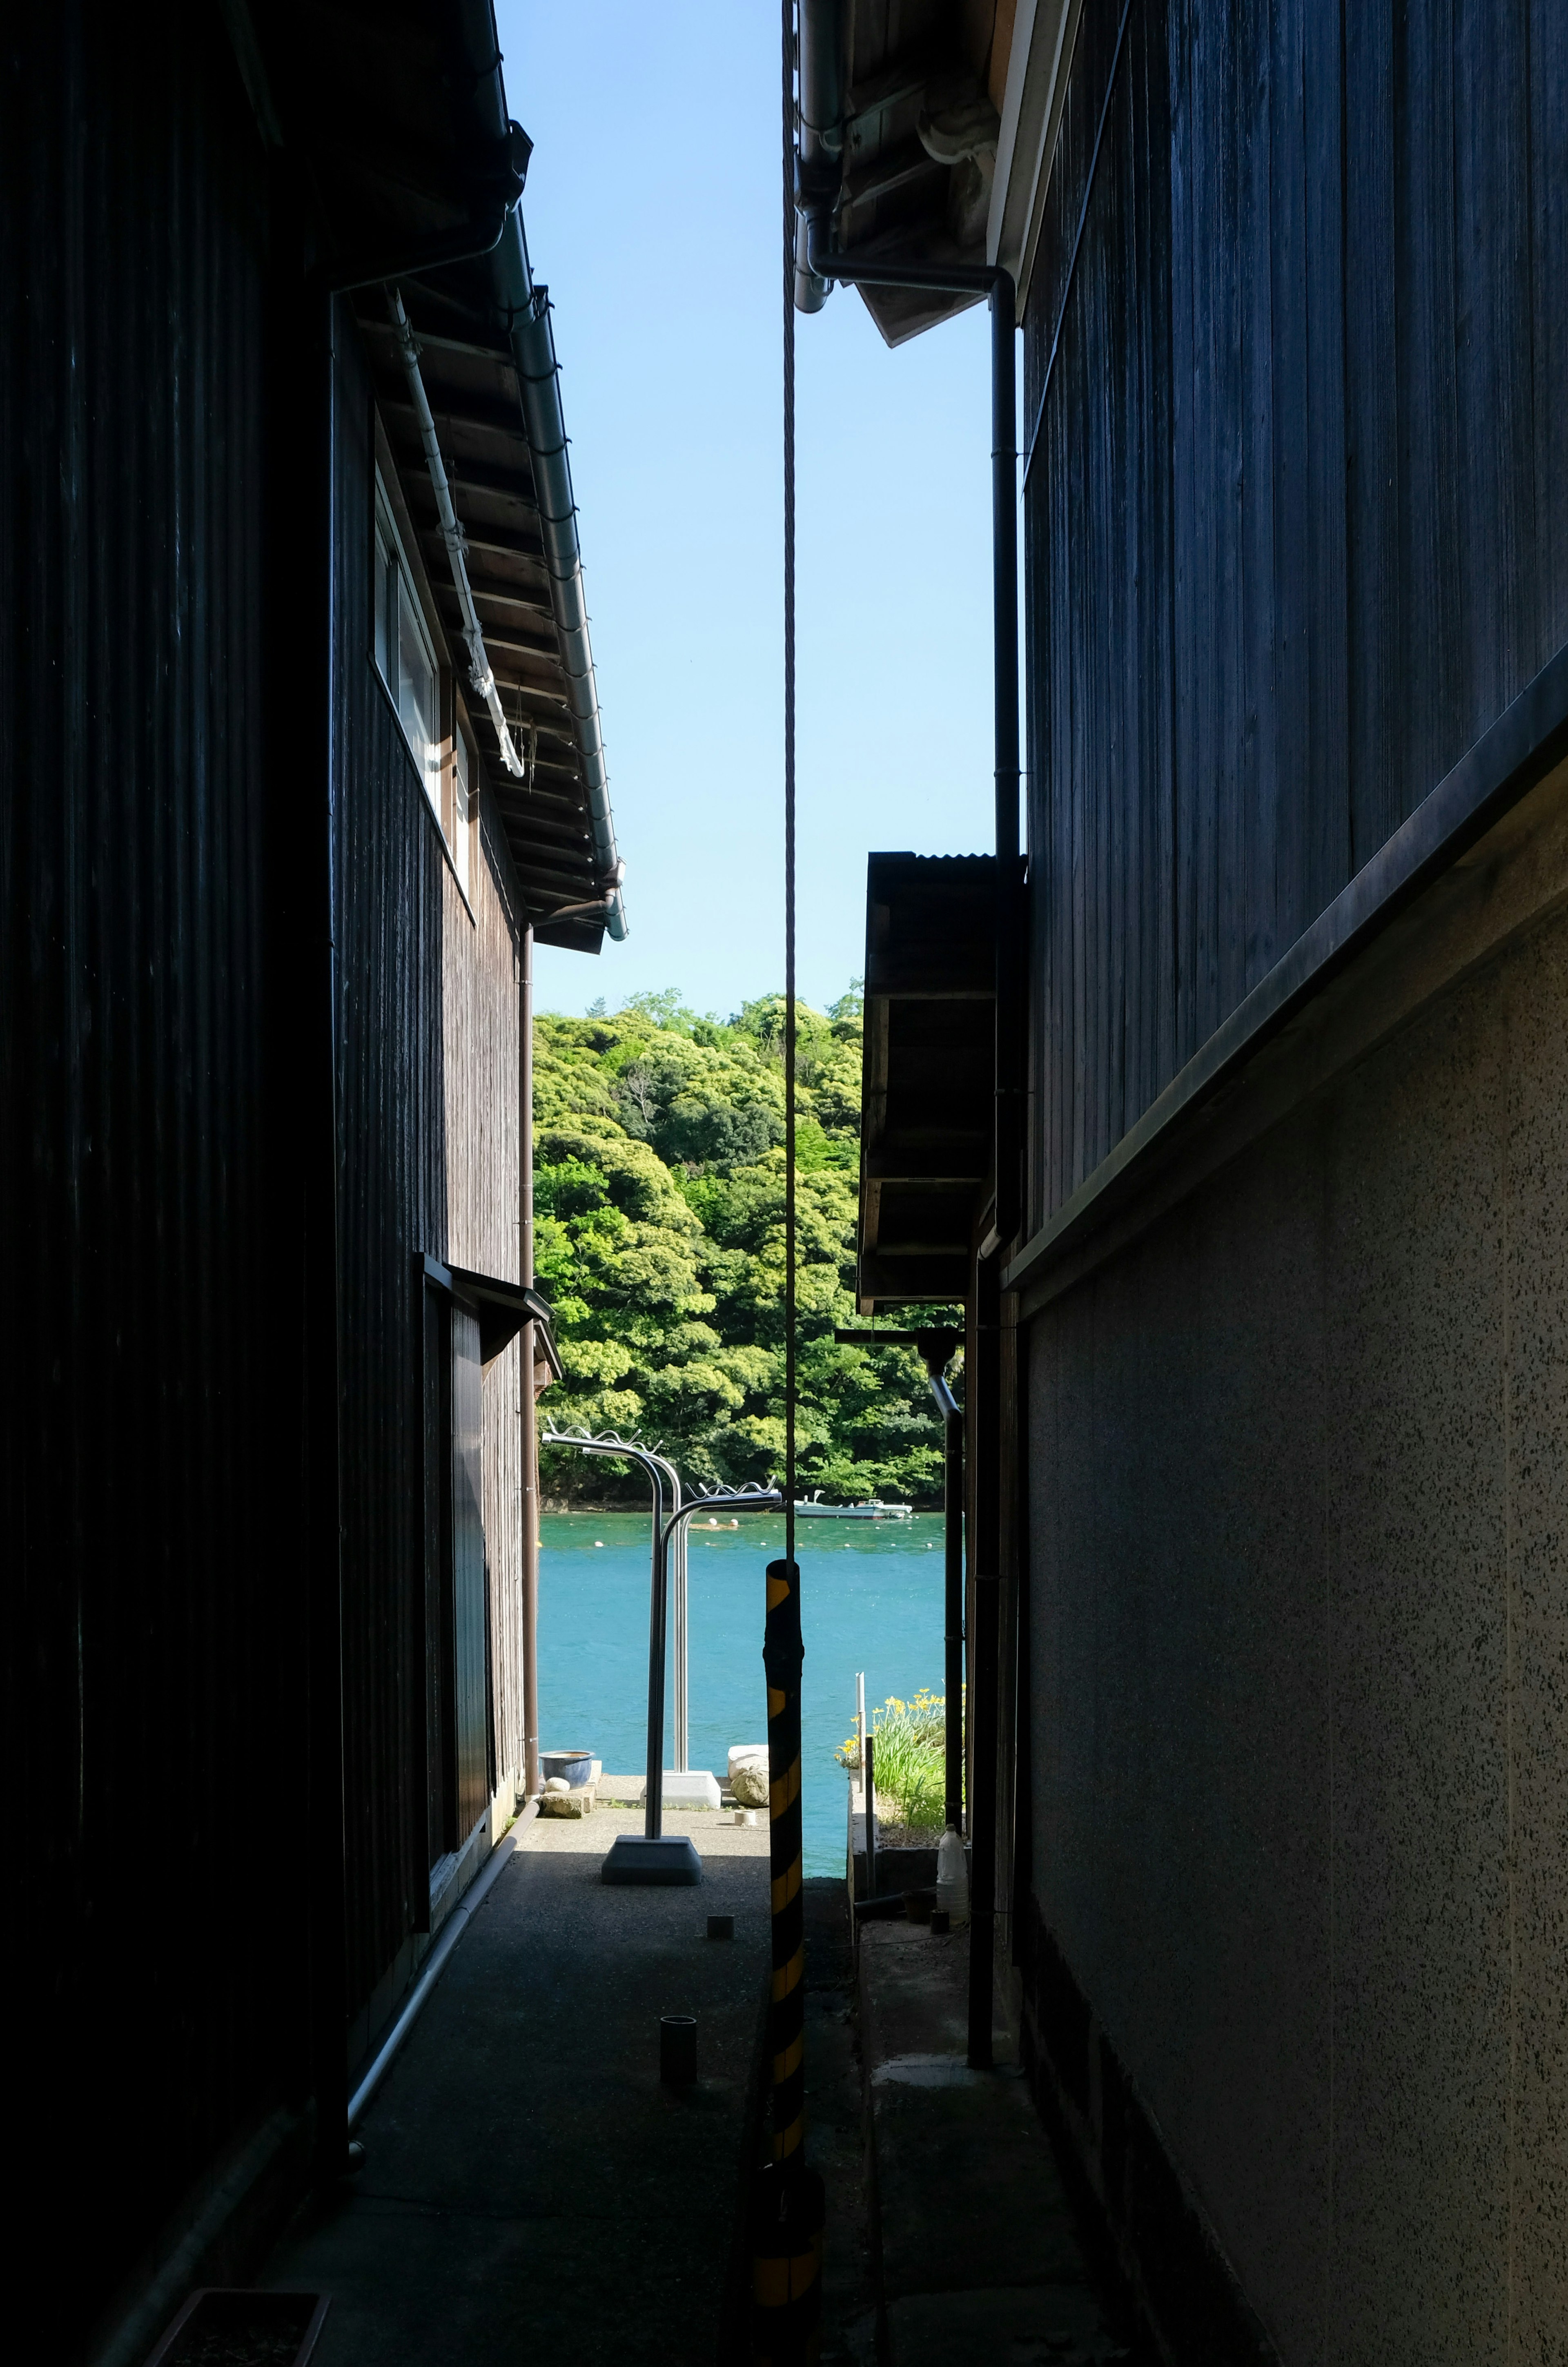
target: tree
<point>659,1188</point>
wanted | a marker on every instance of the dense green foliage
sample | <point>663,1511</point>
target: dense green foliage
<point>660,1198</point>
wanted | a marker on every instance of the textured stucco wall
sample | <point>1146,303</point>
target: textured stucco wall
<point>1298,1672</point>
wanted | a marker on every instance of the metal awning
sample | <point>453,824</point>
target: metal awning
<point>503,1307</point>
<point>927,1073</point>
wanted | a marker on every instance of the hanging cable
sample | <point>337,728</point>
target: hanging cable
<point>789,225</point>
<point>786,2204</point>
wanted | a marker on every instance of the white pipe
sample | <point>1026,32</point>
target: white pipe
<point>452,535</point>
<point>678,1590</point>
<point>681,1740</point>
<point>452,1931</point>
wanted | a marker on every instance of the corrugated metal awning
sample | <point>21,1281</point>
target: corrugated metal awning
<point>927,1073</point>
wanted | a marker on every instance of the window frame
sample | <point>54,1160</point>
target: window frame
<point>391,557</point>
<point>393,566</point>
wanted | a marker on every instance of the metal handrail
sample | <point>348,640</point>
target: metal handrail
<point>750,1499</point>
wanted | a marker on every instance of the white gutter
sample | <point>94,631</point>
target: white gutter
<point>452,535</point>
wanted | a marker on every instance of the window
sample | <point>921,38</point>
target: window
<point>404,655</point>
<point>462,811</point>
<point>460,1733</point>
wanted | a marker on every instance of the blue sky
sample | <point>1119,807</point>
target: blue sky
<point>652,211</point>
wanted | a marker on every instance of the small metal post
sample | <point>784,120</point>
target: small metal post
<point>678,2049</point>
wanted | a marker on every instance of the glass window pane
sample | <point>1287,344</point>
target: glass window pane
<point>416,695</point>
<point>460,829</point>
<point>386,596</point>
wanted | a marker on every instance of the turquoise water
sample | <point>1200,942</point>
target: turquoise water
<point>871,1598</point>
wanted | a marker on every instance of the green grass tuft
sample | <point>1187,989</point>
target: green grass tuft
<point>909,1739</point>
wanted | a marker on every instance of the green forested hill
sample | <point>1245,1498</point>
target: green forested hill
<point>658,1190</point>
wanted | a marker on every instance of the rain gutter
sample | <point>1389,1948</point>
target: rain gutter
<point>526,310</point>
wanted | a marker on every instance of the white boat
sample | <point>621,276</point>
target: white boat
<point>873,1511</point>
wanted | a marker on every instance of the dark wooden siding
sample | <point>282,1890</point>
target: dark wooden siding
<point>1296,521</point>
<point>428,1107</point>
<point>155,1961</point>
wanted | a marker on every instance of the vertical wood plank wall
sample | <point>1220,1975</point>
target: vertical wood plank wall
<point>1296,527</point>
<point>429,997</point>
<point>153,1687</point>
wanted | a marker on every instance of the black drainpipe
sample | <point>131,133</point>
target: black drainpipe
<point>817,200</point>
<point>937,1349</point>
<point>952,1619</point>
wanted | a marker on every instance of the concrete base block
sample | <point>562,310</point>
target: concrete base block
<point>633,1860</point>
<point>694,1789</point>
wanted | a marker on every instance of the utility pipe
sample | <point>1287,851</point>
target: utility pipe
<point>680,1745</point>
<point>529,1607</point>
<point>452,535</point>
<point>434,1965</point>
<point>991,281</point>
<point>937,1349</point>
<point>952,1617</point>
<point>819,200</point>
<point>983,1368</point>
<point>823,69</point>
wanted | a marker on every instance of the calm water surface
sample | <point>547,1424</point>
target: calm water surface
<point>871,1598</point>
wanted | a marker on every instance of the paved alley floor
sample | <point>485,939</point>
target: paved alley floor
<point>530,2192</point>
<point>983,2257</point>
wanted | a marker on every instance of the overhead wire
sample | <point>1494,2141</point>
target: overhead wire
<point>789,221</point>
<point>786,2207</point>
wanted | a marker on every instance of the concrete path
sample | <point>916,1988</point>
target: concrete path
<point>835,2130</point>
<point>531,2194</point>
<point>982,2257</point>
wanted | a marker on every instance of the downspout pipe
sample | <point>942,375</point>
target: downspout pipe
<point>526,309</point>
<point>936,1351</point>
<point>823,68</point>
<point>996,285</point>
<point>452,535</point>
<point>818,203</point>
<point>529,1605</point>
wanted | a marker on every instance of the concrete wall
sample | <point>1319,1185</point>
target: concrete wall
<point>1299,1642</point>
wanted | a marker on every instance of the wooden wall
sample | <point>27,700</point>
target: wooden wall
<point>153,1688</point>
<point>1296,521</point>
<point>428,1002</point>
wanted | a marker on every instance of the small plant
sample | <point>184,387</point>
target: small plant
<point>909,1740</point>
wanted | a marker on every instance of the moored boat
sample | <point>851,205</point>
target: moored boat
<point>872,1511</point>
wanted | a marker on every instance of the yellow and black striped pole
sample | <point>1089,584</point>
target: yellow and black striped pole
<point>786,2215</point>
